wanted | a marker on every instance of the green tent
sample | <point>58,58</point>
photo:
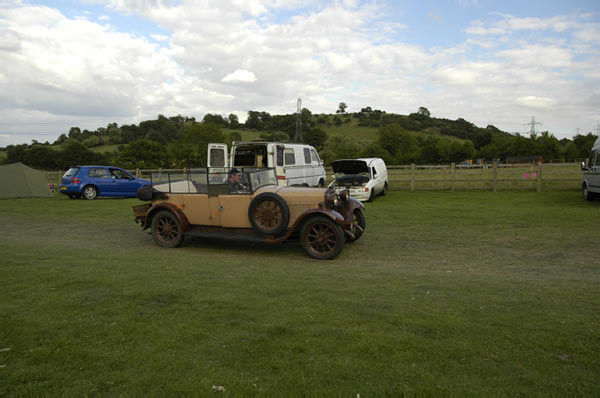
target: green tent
<point>20,181</point>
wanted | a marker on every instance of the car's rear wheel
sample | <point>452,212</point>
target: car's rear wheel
<point>359,224</point>
<point>385,189</point>
<point>322,238</point>
<point>89,192</point>
<point>269,214</point>
<point>166,229</point>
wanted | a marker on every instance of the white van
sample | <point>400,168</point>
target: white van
<point>364,177</point>
<point>591,173</point>
<point>295,164</point>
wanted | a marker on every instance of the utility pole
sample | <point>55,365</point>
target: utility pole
<point>298,137</point>
<point>532,124</point>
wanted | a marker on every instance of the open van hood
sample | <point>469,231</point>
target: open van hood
<point>350,166</point>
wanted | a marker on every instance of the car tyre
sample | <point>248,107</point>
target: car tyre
<point>89,192</point>
<point>385,189</point>
<point>166,229</point>
<point>587,195</point>
<point>321,183</point>
<point>359,224</point>
<point>322,238</point>
<point>269,214</point>
<point>372,195</point>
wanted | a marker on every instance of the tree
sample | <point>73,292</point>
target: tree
<point>144,153</point>
<point>341,108</point>
<point>75,133</point>
<point>424,111</point>
<point>234,122</point>
<point>315,137</point>
<point>190,150</point>
<point>215,119</point>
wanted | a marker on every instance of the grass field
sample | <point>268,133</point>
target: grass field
<point>446,293</point>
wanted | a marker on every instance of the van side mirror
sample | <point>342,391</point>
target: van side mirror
<point>583,166</point>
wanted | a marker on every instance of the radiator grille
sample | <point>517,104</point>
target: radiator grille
<point>298,208</point>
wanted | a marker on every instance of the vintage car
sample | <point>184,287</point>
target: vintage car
<point>248,204</point>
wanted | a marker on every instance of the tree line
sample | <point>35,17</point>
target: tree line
<point>180,141</point>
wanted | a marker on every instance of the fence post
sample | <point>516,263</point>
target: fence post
<point>137,172</point>
<point>412,177</point>
<point>452,171</point>
<point>494,177</point>
<point>539,177</point>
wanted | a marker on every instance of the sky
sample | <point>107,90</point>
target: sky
<point>88,63</point>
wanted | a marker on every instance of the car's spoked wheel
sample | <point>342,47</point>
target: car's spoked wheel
<point>268,215</point>
<point>322,238</point>
<point>359,224</point>
<point>166,230</point>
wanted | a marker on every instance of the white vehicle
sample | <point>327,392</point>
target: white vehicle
<point>591,173</point>
<point>364,177</point>
<point>294,164</point>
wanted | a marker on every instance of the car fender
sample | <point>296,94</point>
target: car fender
<point>183,221</point>
<point>331,213</point>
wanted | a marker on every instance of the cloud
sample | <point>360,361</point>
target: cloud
<point>162,38</point>
<point>240,75</point>
<point>536,102</point>
<point>231,56</point>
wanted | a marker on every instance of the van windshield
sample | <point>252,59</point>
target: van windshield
<point>251,156</point>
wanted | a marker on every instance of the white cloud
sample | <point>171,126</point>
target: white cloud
<point>234,56</point>
<point>240,75</point>
<point>534,102</point>
<point>161,38</point>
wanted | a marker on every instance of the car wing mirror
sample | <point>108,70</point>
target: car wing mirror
<point>583,166</point>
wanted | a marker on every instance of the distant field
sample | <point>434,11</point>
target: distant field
<point>105,148</point>
<point>372,133</point>
<point>453,294</point>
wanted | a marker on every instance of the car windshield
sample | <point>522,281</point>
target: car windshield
<point>214,181</point>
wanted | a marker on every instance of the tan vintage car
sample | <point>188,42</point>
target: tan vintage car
<point>248,204</point>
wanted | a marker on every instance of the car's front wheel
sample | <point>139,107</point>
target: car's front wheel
<point>166,229</point>
<point>587,195</point>
<point>322,238</point>
<point>359,224</point>
<point>89,192</point>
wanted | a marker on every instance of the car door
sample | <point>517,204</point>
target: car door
<point>123,183</point>
<point>100,177</point>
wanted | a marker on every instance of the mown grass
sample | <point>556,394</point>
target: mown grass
<point>453,293</point>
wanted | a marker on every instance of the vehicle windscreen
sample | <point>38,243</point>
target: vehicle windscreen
<point>214,181</point>
<point>72,171</point>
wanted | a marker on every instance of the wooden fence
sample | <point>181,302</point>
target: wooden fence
<point>494,177</point>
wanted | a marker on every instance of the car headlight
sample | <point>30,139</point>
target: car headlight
<point>344,195</point>
<point>331,198</point>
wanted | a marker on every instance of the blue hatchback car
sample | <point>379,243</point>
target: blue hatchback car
<point>89,182</point>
